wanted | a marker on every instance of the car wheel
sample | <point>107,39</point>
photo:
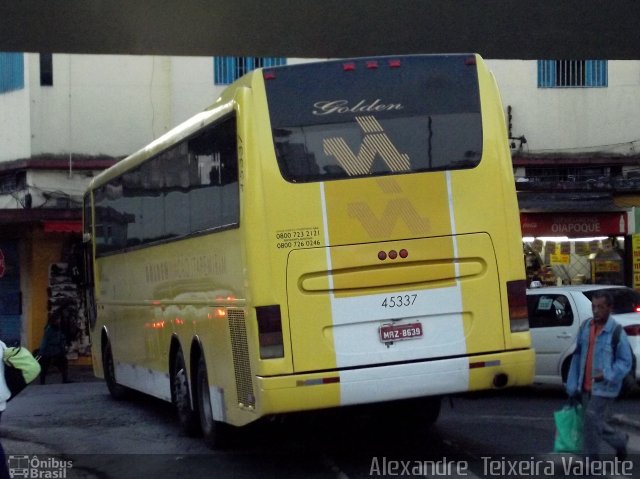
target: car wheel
<point>188,418</point>
<point>564,370</point>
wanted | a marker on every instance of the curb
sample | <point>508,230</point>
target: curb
<point>624,420</point>
<point>18,447</point>
<point>15,442</point>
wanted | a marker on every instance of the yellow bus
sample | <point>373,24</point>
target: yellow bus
<point>325,234</point>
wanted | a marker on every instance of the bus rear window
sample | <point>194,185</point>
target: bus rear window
<point>372,117</point>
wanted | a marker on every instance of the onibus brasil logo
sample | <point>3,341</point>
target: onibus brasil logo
<point>38,467</point>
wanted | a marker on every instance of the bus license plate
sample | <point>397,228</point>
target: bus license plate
<point>399,332</point>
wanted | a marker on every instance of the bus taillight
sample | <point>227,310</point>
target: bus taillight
<point>270,331</point>
<point>518,314</point>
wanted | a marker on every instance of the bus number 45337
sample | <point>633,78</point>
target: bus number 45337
<point>399,301</point>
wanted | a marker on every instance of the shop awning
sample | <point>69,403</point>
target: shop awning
<point>62,227</point>
<point>574,225</point>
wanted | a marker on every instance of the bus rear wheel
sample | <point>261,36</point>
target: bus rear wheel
<point>430,410</point>
<point>117,391</point>
<point>417,416</point>
<point>215,433</point>
<point>182,397</point>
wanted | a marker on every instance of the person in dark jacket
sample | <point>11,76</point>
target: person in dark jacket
<point>53,350</point>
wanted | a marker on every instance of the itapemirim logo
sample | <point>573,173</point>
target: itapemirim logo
<point>34,467</point>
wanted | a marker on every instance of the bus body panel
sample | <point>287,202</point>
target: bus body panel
<point>365,293</point>
<point>310,391</point>
<point>344,261</point>
<point>183,289</point>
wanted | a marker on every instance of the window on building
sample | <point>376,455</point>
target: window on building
<point>46,69</point>
<point>572,73</point>
<point>226,70</point>
<point>11,71</point>
<point>13,182</point>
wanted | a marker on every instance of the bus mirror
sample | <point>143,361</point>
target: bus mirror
<point>86,238</point>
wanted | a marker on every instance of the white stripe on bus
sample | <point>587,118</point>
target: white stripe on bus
<point>400,381</point>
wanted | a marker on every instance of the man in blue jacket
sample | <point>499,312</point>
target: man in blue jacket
<point>596,375</point>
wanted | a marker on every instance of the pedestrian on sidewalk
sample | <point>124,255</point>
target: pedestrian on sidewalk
<point>53,350</point>
<point>595,377</point>
<point>5,394</point>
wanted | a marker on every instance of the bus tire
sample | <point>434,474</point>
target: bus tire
<point>215,433</point>
<point>424,411</point>
<point>117,391</point>
<point>187,417</point>
<point>431,412</point>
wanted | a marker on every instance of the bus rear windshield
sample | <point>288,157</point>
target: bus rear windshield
<point>372,117</point>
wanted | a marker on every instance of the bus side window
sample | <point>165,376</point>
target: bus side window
<point>215,198</point>
<point>229,168</point>
<point>216,149</point>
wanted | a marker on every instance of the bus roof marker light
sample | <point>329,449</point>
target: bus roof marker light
<point>393,254</point>
<point>382,255</point>
<point>372,64</point>
<point>269,75</point>
<point>394,63</point>
<point>470,61</point>
<point>349,66</point>
<point>403,253</point>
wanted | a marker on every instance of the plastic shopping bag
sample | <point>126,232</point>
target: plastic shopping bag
<point>20,368</point>
<point>568,429</point>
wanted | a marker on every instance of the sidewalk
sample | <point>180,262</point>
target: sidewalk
<point>17,443</point>
<point>79,371</point>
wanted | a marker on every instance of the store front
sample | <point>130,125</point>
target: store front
<point>41,245</point>
<point>39,279</point>
<point>576,248</point>
<point>10,293</point>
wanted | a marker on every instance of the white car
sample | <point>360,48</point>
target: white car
<point>555,315</point>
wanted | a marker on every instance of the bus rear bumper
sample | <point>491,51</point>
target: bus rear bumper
<point>298,392</point>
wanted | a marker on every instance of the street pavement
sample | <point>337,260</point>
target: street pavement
<point>16,442</point>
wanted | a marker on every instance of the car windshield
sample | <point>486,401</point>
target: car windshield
<point>625,300</point>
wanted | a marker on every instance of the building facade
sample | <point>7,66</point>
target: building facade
<point>576,154</point>
<point>63,118</point>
